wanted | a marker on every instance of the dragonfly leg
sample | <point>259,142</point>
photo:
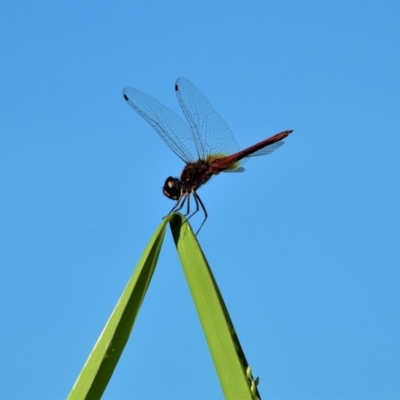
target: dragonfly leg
<point>178,205</point>
<point>181,202</point>
<point>197,206</point>
<point>188,205</point>
<point>198,200</point>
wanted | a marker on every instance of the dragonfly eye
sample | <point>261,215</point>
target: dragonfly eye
<point>172,188</point>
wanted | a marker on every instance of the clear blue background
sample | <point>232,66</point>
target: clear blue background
<point>304,245</point>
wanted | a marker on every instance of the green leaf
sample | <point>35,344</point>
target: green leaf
<point>230,362</point>
<point>104,357</point>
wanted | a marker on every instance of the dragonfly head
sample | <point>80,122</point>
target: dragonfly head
<point>172,188</point>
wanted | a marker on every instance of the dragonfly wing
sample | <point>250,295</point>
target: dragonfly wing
<point>262,152</point>
<point>238,169</point>
<point>175,132</point>
<point>266,150</point>
<point>211,134</point>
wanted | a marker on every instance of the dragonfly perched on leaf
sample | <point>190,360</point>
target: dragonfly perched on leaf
<point>206,145</point>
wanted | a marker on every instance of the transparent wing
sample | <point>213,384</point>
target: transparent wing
<point>210,132</point>
<point>262,152</point>
<point>238,169</point>
<point>266,150</point>
<point>175,132</point>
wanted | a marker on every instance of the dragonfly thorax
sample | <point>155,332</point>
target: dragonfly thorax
<point>193,176</point>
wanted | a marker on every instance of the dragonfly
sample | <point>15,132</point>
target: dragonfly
<point>205,144</point>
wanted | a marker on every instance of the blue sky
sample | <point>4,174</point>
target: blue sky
<point>304,245</point>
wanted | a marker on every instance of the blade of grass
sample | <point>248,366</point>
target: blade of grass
<point>230,362</point>
<point>100,365</point>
